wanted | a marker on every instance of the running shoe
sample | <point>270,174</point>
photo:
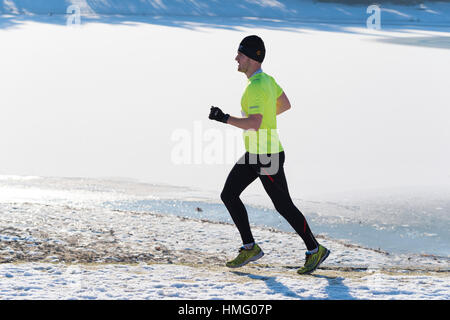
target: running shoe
<point>245,256</point>
<point>313,260</point>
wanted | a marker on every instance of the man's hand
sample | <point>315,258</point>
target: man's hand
<point>218,115</point>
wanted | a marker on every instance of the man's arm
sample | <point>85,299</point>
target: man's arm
<point>252,122</point>
<point>283,103</point>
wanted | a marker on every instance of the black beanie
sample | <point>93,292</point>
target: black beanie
<point>253,47</point>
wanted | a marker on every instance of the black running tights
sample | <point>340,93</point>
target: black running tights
<point>269,169</point>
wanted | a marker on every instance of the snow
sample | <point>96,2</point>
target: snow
<point>77,248</point>
<point>159,281</point>
<point>306,10</point>
<point>366,140</point>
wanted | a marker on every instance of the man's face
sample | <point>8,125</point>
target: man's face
<point>243,62</point>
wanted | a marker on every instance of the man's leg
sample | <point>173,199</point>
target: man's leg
<point>238,179</point>
<point>277,189</point>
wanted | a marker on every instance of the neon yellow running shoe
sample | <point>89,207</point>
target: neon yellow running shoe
<point>313,260</point>
<point>245,256</point>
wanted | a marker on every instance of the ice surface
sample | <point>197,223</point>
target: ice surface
<point>341,133</point>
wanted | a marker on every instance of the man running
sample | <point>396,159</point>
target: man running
<point>262,101</point>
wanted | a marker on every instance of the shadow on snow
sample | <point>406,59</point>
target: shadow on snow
<point>335,289</point>
<point>287,15</point>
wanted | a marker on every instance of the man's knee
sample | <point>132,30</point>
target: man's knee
<point>227,196</point>
<point>283,205</point>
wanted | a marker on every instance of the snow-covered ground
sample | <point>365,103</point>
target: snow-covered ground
<point>366,141</point>
<point>61,241</point>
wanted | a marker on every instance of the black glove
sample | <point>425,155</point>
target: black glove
<point>218,115</point>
